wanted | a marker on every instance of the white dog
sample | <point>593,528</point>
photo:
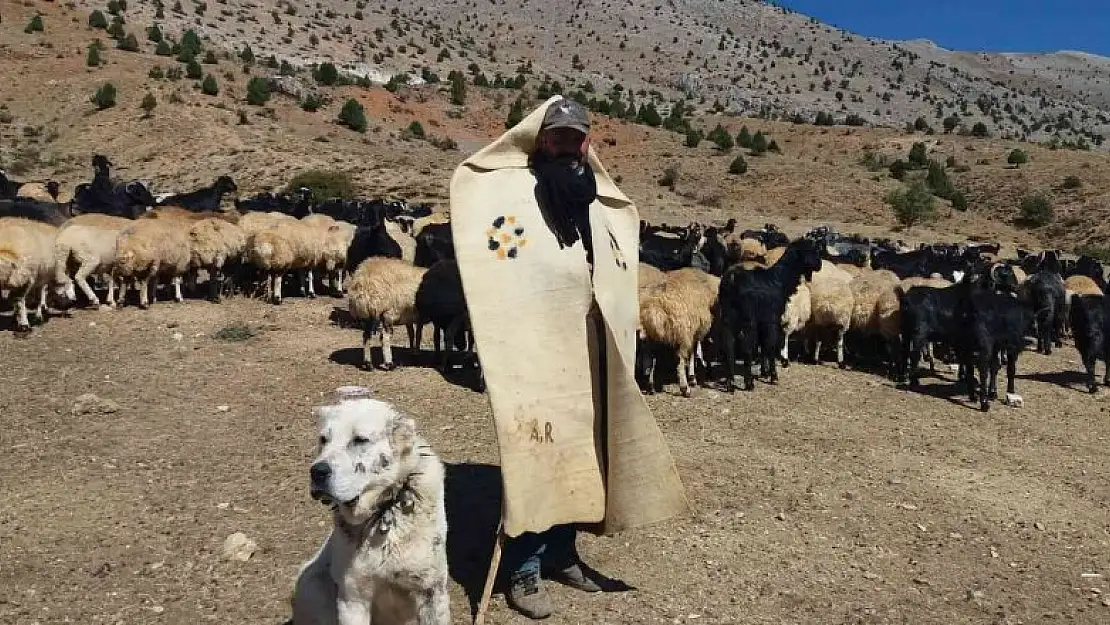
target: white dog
<point>385,561</point>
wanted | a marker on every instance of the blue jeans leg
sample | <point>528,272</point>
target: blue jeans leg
<point>531,552</point>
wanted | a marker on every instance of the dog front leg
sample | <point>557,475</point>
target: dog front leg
<point>434,606</point>
<point>354,609</point>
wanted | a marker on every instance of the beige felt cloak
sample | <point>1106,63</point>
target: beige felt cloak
<point>563,459</point>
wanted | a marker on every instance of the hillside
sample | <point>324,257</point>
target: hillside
<point>837,174</point>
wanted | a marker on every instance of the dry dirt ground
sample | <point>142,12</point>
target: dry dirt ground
<point>832,498</point>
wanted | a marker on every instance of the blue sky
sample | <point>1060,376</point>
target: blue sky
<point>975,25</point>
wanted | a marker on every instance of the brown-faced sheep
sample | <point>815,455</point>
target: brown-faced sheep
<point>677,313</point>
<point>149,249</point>
<point>86,245</point>
<point>382,294</point>
<point>831,306</point>
<point>49,191</point>
<point>27,263</point>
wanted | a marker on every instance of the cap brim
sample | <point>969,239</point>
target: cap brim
<point>579,127</point>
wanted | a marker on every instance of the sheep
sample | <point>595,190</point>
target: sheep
<point>88,242</point>
<point>333,261</point>
<point>400,233</point>
<point>433,244</point>
<point>1045,290</point>
<point>751,306</point>
<point>26,263</point>
<point>148,249</point>
<point>831,304</point>
<point>992,323</point>
<point>435,218</point>
<point>649,276</point>
<point>382,294</point>
<point>254,222</point>
<point>184,214</point>
<point>49,191</point>
<point>876,312</point>
<point>1089,321</point>
<point>204,199</point>
<point>286,246</point>
<point>213,245</point>
<point>678,313</point>
<point>794,319</point>
<point>1082,285</point>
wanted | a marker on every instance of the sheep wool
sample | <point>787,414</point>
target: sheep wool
<point>382,294</point>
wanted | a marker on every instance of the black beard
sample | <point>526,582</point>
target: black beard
<point>565,189</point>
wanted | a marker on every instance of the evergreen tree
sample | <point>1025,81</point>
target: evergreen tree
<point>353,116</point>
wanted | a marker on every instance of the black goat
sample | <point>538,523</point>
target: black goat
<point>298,204</point>
<point>1090,322</point>
<point>46,212</point>
<point>433,244</point>
<point>994,326</point>
<point>204,199</point>
<point>8,187</point>
<point>107,197</point>
<point>929,315</point>
<point>751,303</point>
<point>667,248</point>
<point>440,301</point>
<point>1046,292</point>
<point>372,240</point>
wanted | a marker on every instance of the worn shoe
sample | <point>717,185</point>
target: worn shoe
<point>574,577</point>
<point>528,597</point>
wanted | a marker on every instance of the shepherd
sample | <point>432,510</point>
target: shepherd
<point>547,248</point>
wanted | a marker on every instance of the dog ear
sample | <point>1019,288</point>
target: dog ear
<point>402,435</point>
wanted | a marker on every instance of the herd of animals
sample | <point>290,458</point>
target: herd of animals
<point>709,294</point>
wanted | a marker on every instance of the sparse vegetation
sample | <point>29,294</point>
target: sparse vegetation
<point>35,25</point>
<point>415,130</point>
<point>326,74</point>
<point>1071,183</point>
<point>1017,158</point>
<point>1036,211</point>
<point>148,104</point>
<point>458,89</point>
<point>97,20</point>
<point>105,96</point>
<point>258,91</point>
<point>670,176</point>
<point>720,137</point>
<point>92,58</point>
<point>516,113</point>
<point>209,86</point>
<point>738,165</point>
<point>912,205</point>
<point>353,116</point>
<point>324,184</point>
<point>235,333</point>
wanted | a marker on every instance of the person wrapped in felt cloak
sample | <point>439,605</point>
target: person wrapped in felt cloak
<point>547,248</point>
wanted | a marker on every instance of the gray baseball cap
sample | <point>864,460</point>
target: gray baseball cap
<point>566,113</point>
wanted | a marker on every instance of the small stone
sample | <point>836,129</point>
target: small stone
<point>907,506</point>
<point>975,596</point>
<point>1106,602</point>
<point>239,548</point>
<point>994,552</point>
<point>780,516</point>
<point>177,336</point>
<point>223,408</point>
<point>921,527</point>
<point>223,505</point>
<point>1039,526</point>
<point>870,575</point>
<point>955,535</point>
<point>158,609</point>
<point>91,404</point>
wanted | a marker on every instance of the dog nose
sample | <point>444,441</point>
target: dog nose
<point>320,472</point>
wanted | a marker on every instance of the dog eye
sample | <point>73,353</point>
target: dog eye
<point>360,440</point>
<point>323,440</point>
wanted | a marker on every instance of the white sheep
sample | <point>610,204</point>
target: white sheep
<point>88,243</point>
<point>795,318</point>
<point>27,263</point>
<point>287,245</point>
<point>877,310</point>
<point>49,191</point>
<point>382,294</point>
<point>213,243</point>
<point>149,249</point>
<point>831,306</point>
<point>678,313</point>
<point>334,259</point>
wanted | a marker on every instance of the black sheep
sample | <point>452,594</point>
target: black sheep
<point>751,303</point>
<point>1046,292</point>
<point>8,187</point>
<point>46,212</point>
<point>1089,320</point>
<point>993,325</point>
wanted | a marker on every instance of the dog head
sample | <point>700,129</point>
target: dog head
<point>366,448</point>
